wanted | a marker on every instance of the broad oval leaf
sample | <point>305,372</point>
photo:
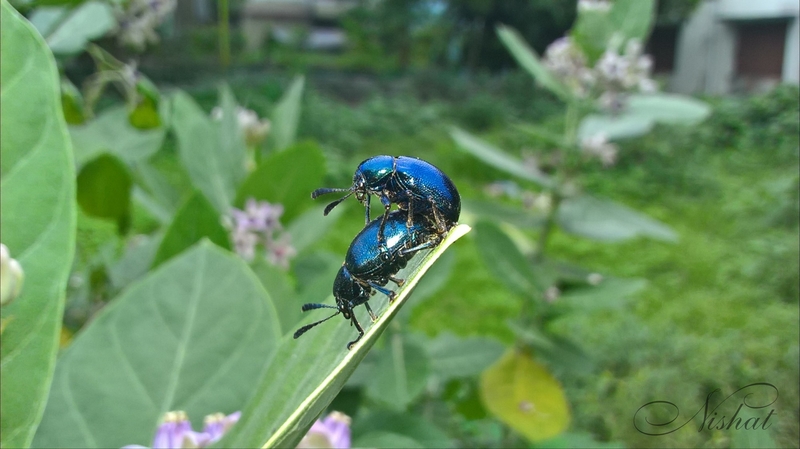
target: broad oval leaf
<point>525,396</point>
<point>406,424</point>
<point>529,61</point>
<point>453,357</point>
<point>623,126</point>
<point>104,190</point>
<point>498,159</point>
<point>37,218</point>
<point>668,108</point>
<point>603,219</point>
<point>286,116</point>
<point>194,335</point>
<point>503,258</point>
<point>68,30</point>
<point>214,166</point>
<point>194,221</point>
<point>112,132</point>
<point>306,374</point>
<point>632,19</point>
<point>400,373</point>
<point>287,178</point>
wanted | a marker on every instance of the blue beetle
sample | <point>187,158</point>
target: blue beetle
<point>370,264</point>
<point>413,184</point>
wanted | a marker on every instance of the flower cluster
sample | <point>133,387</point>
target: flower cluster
<point>11,276</point>
<point>138,20</point>
<point>599,147</point>
<point>331,432</point>
<point>259,222</point>
<point>175,431</point>
<point>253,128</point>
<point>614,73</point>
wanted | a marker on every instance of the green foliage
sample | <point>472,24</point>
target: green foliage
<point>194,221</point>
<point>104,190</point>
<point>286,116</point>
<point>182,338</point>
<point>68,29</point>
<point>305,375</point>
<point>529,60</point>
<point>37,216</point>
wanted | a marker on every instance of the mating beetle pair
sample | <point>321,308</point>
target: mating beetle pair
<point>429,206</point>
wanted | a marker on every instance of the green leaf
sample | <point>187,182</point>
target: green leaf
<point>503,259</point>
<point>104,190</point>
<point>407,425</point>
<point>306,374</point>
<point>37,218</point>
<point>622,126</point>
<point>498,159</point>
<point>529,60</point>
<point>69,30</point>
<point>385,439</point>
<point>197,219</point>
<point>667,108</point>
<point>279,286</point>
<point>112,132</point>
<point>525,396</point>
<point>312,225</point>
<point>145,114</point>
<point>400,373</point>
<point>632,19</point>
<point>213,166</point>
<point>286,178</point>
<point>577,440</point>
<point>72,103</point>
<point>135,261</point>
<point>610,294</point>
<point>436,279</point>
<point>557,352</point>
<point>453,357</point>
<point>156,184</point>
<point>497,212</point>
<point>286,116</point>
<point>592,32</point>
<point>603,219</point>
<point>194,335</point>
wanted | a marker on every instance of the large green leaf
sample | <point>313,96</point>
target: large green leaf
<point>193,222</point>
<point>112,132</point>
<point>215,167</point>
<point>614,127</point>
<point>68,30</point>
<point>306,374</point>
<point>37,219</point>
<point>632,18</point>
<point>194,335</point>
<point>453,357</point>
<point>527,58</point>
<point>104,190</point>
<point>400,373</point>
<point>498,212</point>
<point>309,228</point>
<point>610,294</point>
<point>667,108</point>
<point>503,259</point>
<point>287,178</point>
<point>408,425</point>
<point>498,159</point>
<point>603,219</point>
<point>525,396</point>
<point>286,116</point>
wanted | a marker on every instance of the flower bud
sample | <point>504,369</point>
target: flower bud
<point>11,276</point>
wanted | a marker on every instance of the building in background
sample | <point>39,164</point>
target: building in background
<point>737,45</point>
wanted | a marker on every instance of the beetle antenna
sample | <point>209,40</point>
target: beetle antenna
<point>314,306</point>
<point>326,190</point>
<point>330,207</point>
<point>305,328</point>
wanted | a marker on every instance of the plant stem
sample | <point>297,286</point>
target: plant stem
<point>549,224</point>
<point>224,34</point>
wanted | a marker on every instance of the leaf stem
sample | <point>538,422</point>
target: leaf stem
<point>224,34</point>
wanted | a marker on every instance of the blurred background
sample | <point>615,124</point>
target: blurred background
<point>651,260</point>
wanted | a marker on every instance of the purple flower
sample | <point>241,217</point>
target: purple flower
<point>260,222</point>
<point>175,431</point>
<point>331,432</point>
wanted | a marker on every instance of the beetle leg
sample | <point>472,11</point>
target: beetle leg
<point>441,225</point>
<point>371,313</point>
<point>383,290</point>
<point>410,219</point>
<point>397,281</point>
<point>355,323</point>
<point>366,210</point>
<point>387,205</point>
<point>433,241</point>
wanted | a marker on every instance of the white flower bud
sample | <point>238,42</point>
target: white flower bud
<point>11,276</point>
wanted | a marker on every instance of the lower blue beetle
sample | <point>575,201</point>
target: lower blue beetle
<point>413,184</point>
<point>369,265</point>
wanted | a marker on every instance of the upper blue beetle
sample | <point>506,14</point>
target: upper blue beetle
<point>413,184</point>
